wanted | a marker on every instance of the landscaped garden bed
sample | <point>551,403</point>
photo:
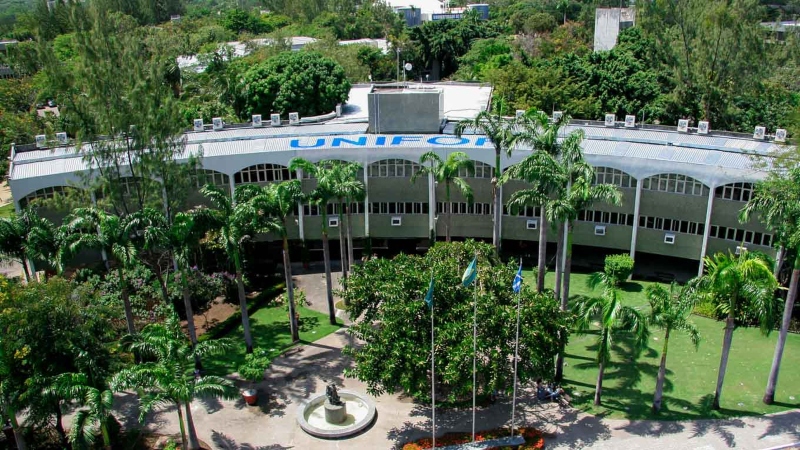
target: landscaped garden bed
<point>534,439</point>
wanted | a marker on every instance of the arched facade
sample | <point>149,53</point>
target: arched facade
<point>263,173</point>
<point>42,194</point>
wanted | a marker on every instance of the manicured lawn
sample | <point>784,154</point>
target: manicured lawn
<point>270,329</point>
<point>629,382</point>
<point>6,210</point>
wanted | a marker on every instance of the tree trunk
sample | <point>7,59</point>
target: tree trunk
<point>162,284</point>
<point>779,262</point>
<point>542,266</point>
<point>497,209</point>
<point>287,270</point>
<point>598,389</point>
<point>62,434</point>
<point>567,269</point>
<point>126,301</point>
<point>248,340</point>
<point>559,254</point>
<point>18,436</point>
<point>448,207</point>
<point>662,373</point>
<point>187,304</point>
<point>349,238</point>
<point>182,427</point>
<point>723,362</point>
<point>105,433</point>
<point>25,269</point>
<point>342,249</point>
<point>191,433</point>
<point>772,382</point>
<point>326,255</point>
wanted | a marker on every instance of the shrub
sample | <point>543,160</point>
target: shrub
<point>618,267</point>
<point>706,309</point>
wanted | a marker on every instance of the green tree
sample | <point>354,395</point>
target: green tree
<point>669,310</point>
<point>616,320</point>
<point>391,292</point>
<point>737,285</point>
<point>170,377</point>
<point>777,202</point>
<point>97,229</point>
<point>503,136</point>
<point>25,237</point>
<point>302,82</point>
<point>96,407</point>
<point>446,172</point>
<point>344,184</point>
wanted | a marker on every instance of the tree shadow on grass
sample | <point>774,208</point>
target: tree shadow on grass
<point>631,286</point>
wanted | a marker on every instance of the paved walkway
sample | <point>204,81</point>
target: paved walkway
<point>305,371</point>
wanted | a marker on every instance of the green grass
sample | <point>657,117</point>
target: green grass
<point>629,382</point>
<point>7,210</point>
<point>270,330</point>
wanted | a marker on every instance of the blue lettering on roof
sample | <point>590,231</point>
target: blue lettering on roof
<point>337,142</point>
<point>437,140</point>
<point>295,143</point>
<point>397,140</point>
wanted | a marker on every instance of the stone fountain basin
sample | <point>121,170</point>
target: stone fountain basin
<point>360,415</point>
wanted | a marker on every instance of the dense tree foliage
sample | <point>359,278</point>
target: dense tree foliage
<point>396,354</point>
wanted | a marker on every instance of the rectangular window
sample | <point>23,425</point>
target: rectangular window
<point>668,224</point>
<point>582,215</point>
<point>630,220</point>
<point>701,228</point>
<point>767,242</point>
<point>692,227</point>
<point>659,223</point>
<point>739,235</point>
<point>392,208</point>
<point>713,232</point>
<point>757,238</point>
<point>731,234</point>
<point>684,226</point>
<point>425,208</point>
<point>748,237</point>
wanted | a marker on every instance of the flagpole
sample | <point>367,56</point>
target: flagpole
<point>433,380</point>
<point>474,354</point>
<point>516,357</point>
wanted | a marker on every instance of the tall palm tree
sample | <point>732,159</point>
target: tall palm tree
<point>777,201</point>
<point>503,134</point>
<point>669,310</point>
<point>321,196</point>
<point>279,201</point>
<point>234,223</point>
<point>96,407</point>
<point>28,236</point>
<point>169,376</point>
<point>346,187</point>
<point>446,172</point>
<point>737,284</point>
<point>97,229</point>
<point>615,320</point>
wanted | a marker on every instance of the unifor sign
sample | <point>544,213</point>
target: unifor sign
<point>391,141</point>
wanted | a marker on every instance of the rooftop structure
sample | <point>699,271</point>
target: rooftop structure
<point>608,22</point>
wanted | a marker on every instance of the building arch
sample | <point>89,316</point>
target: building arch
<point>740,191</point>
<point>360,175</point>
<point>617,177</point>
<point>203,177</point>
<point>482,170</point>
<point>44,193</point>
<point>263,173</point>
<point>393,167</point>
<point>675,184</point>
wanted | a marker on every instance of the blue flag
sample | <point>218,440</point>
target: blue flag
<point>471,273</point>
<point>429,295</point>
<point>517,284</point>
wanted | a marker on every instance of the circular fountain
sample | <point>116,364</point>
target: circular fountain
<point>336,413</point>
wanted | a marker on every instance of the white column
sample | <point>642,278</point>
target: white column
<point>431,204</point>
<point>636,205</point>
<point>366,201</point>
<point>232,185</point>
<point>300,210</point>
<point>706,229</point>
<point>500,219</point>
<point>30,261</point>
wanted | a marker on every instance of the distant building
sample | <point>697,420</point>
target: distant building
<point>778,30</point>
<point>608,22</point>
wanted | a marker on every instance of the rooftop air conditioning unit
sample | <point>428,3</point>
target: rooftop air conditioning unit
<point>257,120</point>
<point>61,138</point>
<point>611,120</point>
<point>740,250</point>
<point>630,121</point>
<point>294,118</point>
<point>557,115</point>
<point>702,127</point>
<point>338,110</point>
<point>780,135</point>
<point>217,123</point>
<point>669,238</point>
<point>397,221</point>
<point>683,126</point>
<point>41,140</point>
<point>599,230</point>
<point>333,222</point>
<point>275,120</point>
<point>532,224</point>
<point>198,124</point>
<point>759,133</point>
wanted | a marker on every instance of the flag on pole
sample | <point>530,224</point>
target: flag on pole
<point>517,284</point>
<point>471,273</point>
<point>429,295</point>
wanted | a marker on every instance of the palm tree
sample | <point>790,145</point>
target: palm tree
<point>321,196</point>
<point>28,236</point>
<point>95,228</point>
<point>503,133</point>
<point>669,310</point>
<point>169,377</point>
<point>9,396</point>
<point>234,223</point>
<point>777,201</point>
<point>95,414</point>
<point>346,187</point>
<point>278,201</point>
<point>446,171</point>
<point>615,320</point>
<point>737,284</point>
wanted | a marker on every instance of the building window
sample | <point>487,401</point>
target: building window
<point>393,168</point>
<point>607,175</point>
<point>739,235</point>
<point>206,176</point>
<point>672,225</point>
<point>482,170</point>
<point>675,184</point>
<point>42,194</point>
<point>398,208</point>
<point>611,218</point>
<point>263,173</point>
<point>738,192</point>
<point>527,211</point>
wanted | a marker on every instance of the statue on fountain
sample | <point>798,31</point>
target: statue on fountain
<point>333,395</point>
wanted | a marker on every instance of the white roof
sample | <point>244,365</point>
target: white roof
<point>240,49</point>
<point>426,6</point>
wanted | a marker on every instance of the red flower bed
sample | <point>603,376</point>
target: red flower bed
<point>533,439</point>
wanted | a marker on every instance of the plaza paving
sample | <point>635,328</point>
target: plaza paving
<point>305,371</point>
